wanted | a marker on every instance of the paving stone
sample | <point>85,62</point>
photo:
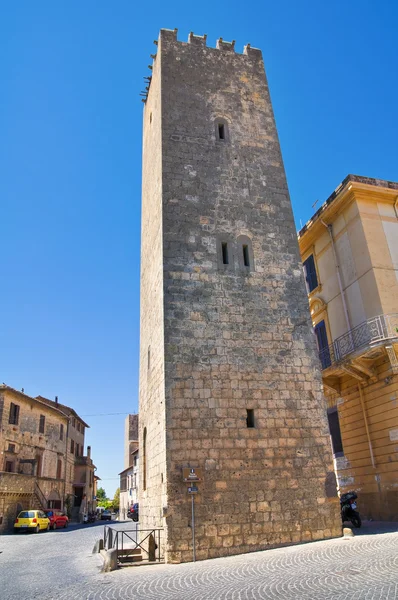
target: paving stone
<point>59,565</point>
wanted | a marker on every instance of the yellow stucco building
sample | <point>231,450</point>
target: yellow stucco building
<point>349,250</point>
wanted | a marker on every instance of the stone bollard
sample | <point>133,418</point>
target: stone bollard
<point>110,560</point>
<point>348,533</point>
<point>152,546</point>
<point>98,546</point>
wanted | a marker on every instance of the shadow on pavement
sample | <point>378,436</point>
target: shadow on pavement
<point>374,527</point>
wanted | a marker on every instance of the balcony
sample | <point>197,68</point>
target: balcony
<point>361,341</point>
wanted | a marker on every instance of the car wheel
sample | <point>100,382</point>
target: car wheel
<point>66,524</point>
<point>16,530</point>
<point>37,529</point>
<point>48,527</point>
<point>54,526</point>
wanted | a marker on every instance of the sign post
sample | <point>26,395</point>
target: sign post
<point>192,476</point>
<point>193,529</point>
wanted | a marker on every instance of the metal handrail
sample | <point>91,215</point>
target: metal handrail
<point>40,495</point>
<point>372,331</point>
<point>116,539</point>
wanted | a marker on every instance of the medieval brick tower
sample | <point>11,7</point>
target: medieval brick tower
<point>229,377</point>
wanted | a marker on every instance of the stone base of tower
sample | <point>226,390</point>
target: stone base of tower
<point>261,531</point>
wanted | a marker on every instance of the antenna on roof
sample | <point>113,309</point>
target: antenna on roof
<point>315,203</point>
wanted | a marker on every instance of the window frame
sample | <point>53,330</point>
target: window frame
<point>220,123</point>
<point>225,254</point>
<point>324,351</point>
<point>42,423</point>
<point>13,417</point>
<point>334,413</point>
<point>245,253</point>
<point>310,275</point>
<point>250,418</point>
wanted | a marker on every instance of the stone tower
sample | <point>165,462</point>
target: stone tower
<point>229,376</point>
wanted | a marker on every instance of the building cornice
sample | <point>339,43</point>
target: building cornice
<point>351,188</point>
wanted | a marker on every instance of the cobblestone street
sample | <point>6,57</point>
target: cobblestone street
<point>59,565</point>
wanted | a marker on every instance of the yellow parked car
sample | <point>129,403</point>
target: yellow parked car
<point>31,520</point>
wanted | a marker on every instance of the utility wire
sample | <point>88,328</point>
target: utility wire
<point>108,414</point>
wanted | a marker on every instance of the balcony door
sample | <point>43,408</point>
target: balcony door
<point>323,344</point>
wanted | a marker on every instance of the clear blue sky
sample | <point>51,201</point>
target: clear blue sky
<point>70,167</point>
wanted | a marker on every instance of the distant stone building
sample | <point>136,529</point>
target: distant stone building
<point>130,438</point>
<point>129,485</point>
<point>229,373</point>
<point>80,467</point>
<point>129,477</point>
<point>349,249</point>
<point>41,457</point>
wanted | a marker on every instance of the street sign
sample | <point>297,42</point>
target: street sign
<point>191,474</point>
<point>193,489</point>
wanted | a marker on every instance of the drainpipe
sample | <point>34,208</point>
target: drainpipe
<point>336,262</point>
<point>372,458</point>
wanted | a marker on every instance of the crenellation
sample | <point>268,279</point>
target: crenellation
<point>197,40</point>
<point>167,36</point>
<point>225,46</point>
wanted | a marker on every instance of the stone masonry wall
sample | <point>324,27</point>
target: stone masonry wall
<point>152,396</point>
<point>28,443</point>
<point>16,494</point>
<point>236,337</point>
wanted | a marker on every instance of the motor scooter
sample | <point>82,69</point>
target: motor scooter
<point>348,509</point>
<point>89,518</point>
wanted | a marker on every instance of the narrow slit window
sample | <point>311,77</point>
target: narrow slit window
<point>221,131</point>
<point>250,417</point>
<point>224,249</point>
<point>246,257</point>
<point>149,358</point>
<point>42,423</point>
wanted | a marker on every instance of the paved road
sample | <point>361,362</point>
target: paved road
<point>59,565</point>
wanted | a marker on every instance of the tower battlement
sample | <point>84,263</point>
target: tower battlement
<point>170,35</point>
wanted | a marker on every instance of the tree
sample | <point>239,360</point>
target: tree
<point>116,500</point>
<point>102,500</point>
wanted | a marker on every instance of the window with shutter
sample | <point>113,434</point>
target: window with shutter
<point>335,432</point>
<point>323,344</point>
<point>311,278</point>
<point>14,414</point>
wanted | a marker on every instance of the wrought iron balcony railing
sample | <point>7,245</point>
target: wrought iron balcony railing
<point>372,331</point>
